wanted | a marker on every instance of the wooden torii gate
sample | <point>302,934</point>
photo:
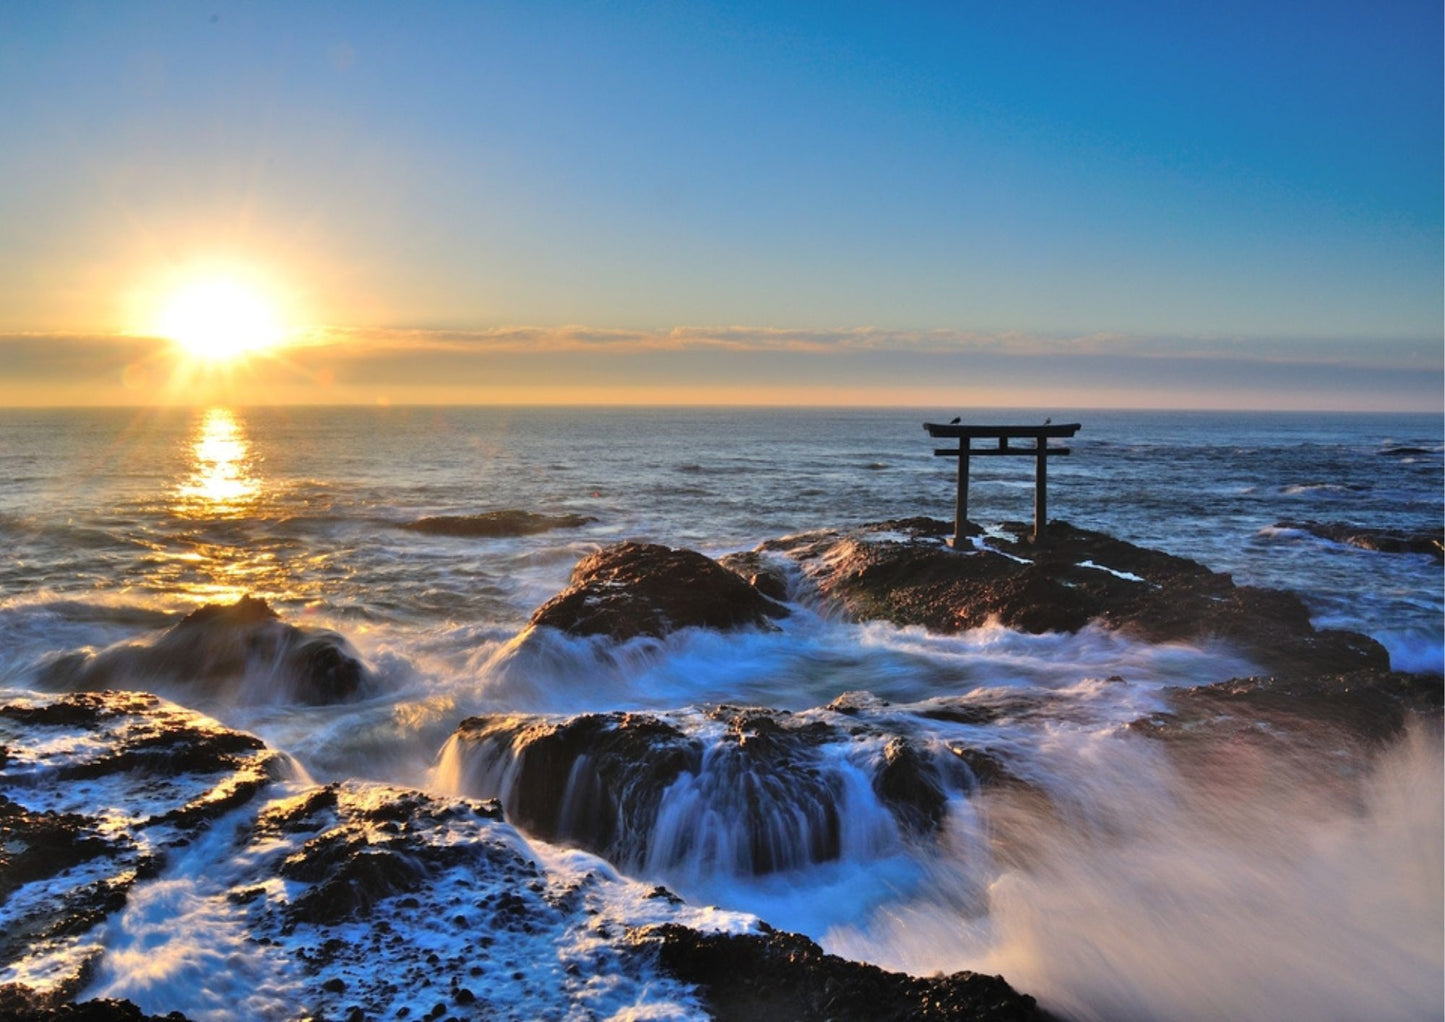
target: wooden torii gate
<point>1040,450</point>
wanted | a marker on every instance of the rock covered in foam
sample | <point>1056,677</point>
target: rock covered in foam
<point>349,900</point>
<point>241,651</point>
<point>635,589</point>
<point>902,572</point>
<point>100,789</point>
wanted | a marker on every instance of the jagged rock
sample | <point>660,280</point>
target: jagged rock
<point>243,650</point>
<point>912,786</point>
<point>594,780</point>
<point>18,1005</point>
<point>373,899</point>
<point>497,524</point>
<point>1390,541</point>
<point>352,864</point>
<point>100,787</point>
<point>774,975</point>
<point>1370,707</point>
<point>746,790</point>
<point>1076,576</point>
<point>634,589</point>
<point>764,576</point>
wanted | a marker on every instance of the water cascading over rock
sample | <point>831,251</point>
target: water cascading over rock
<point>730,791</point>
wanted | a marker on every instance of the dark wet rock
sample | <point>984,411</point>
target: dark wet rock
<point>1075,577</point>
<point>595,780</point>
<point>1371,707</point>
<point>635,589</point>
<point>911,785</point>
<point>497,524</point>
<point>771,780</point>
<point>99,788</point>
<point>764,575</point>
<point>747,977</point>
<point>37,846</point>
<point>18,1004</point>
<point>1390,541</point>
<point>373,898</point>
<point>243,650</point>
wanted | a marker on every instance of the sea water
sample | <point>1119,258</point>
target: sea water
<point>1149,887</point>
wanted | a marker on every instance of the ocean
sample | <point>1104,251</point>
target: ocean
<point>1142,892</point>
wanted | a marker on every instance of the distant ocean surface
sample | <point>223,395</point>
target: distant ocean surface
<point>116,522</point>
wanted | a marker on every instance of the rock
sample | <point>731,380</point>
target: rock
<point>904,575</point>
<point>100,787</point>
<point>740,790</point>
<point>594,780</point>
<point>18,1005</point>
<point>746,977</point>
<point>757,571</point>
<point>497,523</point>
<point>1390,541</point>
<point>352,865</point>
<point>1404,451</point>
<point>636,589</point>
<point>911,786</point>
<point>370,899</point>
<point>238,651</point>
<point>1365,707</point>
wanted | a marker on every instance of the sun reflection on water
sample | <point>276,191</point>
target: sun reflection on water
<point>221,482</point>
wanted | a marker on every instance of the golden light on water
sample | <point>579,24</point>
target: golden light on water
<point>220,553</point>
<point>221,481</point>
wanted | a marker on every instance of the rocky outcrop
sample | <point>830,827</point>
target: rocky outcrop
<point>241,651</point>
<point>731,790</point>
<point>371,901</point>
<point>636,589</point>
<point>100,788</point>
<point>16,1005</point>
<point>746,977</point>
<point>901,572</point>
<point>1389,541</point>
<point>495,524</point>
<point>1366,708</point>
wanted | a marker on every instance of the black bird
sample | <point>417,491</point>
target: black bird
<point>1047,421</point>
<point>954,421</point>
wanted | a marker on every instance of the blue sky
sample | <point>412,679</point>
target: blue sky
<point>1255,182</point>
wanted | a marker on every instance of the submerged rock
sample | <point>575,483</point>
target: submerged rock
<point>636,589</point>
<point>240,651</point>
<point>901,572</point>
<point>746,977</point>
<point>1390,541</point>
<point>492,524</point>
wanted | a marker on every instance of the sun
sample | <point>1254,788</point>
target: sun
<point>220,319</point>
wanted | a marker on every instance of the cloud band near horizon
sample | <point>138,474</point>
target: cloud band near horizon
<point>738,364</point>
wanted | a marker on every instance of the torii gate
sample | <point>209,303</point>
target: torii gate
<point>1040,450</point>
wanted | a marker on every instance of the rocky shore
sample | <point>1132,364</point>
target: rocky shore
<point>105,791</point>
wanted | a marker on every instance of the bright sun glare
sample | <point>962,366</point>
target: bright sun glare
<point>220,320</point>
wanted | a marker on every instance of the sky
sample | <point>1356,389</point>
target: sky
<point>1116,204</point>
